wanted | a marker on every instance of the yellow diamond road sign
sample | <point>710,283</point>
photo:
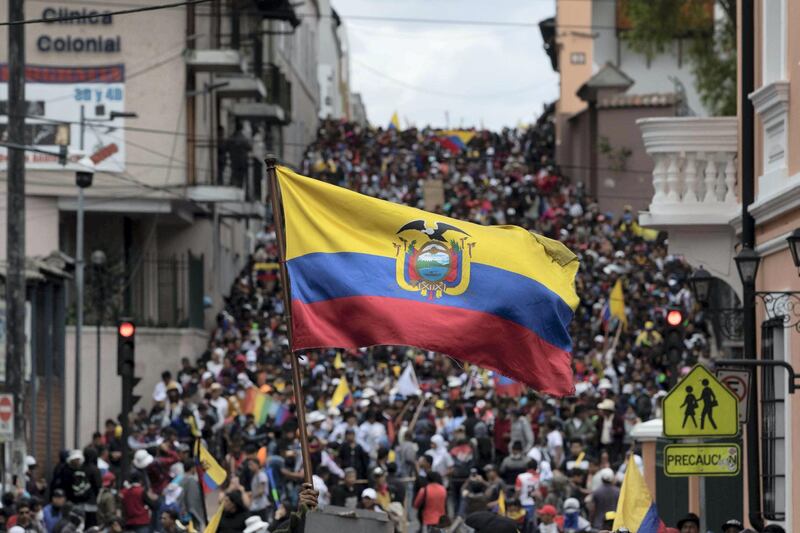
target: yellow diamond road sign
<point>701,406</point>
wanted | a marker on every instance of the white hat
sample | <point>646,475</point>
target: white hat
<point>254,524</point>
<point>599,338</point>
<point>572,504</point>
<point>206,375</point>
<point>368,393</point>
<point>315,417</point>
<point>142,459</point>
<point>607,475</point>
<point>369,493</point>
<point>17,529</point>
<point>363,403</point>
<point>604,384</point>
<point>334,411</point>
<point>30,460</point>
<point>75,455</point>
<point>627,388</point>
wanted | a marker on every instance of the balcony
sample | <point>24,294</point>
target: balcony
<point>695,188</point>
<point>217,61</point>
<point>694,177</point>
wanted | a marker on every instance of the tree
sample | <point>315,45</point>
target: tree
<point>654,25</point>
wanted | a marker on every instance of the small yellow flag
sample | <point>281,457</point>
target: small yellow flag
<point>395,122</point>
<point>341,394</point>
<point>337,361</point>
<point>617,304</point>
<point>501,503</point>
<point>214,523</point>
<point>214,474</point>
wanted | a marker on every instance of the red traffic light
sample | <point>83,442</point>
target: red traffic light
<point>126,329</point>
<point>674,317</point>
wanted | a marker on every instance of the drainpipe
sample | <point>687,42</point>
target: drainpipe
<point>748,240</point>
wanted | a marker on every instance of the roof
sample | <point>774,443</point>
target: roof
<point>39,268</point>
<point>608,77</point>
<point>638,100</point>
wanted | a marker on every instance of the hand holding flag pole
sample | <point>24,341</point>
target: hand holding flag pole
<point>277,217</point>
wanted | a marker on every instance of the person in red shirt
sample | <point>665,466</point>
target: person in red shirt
<point>432,500</point>
<point>136,504</point>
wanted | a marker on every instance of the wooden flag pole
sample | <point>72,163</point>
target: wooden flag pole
<point>299,401</point>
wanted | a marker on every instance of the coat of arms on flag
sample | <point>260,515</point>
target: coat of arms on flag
<point>436,266</point>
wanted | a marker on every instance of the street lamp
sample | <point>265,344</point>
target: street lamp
<point>700,284</point>
<point>747,264</point>
<point>83,179</point>
<point>98,263</point>
<point>794,246</point>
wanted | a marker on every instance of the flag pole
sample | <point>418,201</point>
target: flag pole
<point>300,405</point>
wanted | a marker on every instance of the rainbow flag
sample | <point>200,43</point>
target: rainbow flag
<point>499,297</point>
<point>636,509</point>
<point>281,416</point>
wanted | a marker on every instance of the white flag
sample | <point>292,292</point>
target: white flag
<point>408,385</point>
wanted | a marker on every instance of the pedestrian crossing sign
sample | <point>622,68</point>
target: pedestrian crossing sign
<point>700,406</point>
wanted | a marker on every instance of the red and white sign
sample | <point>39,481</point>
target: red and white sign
<point>6,417</point>
<point>738,382</point>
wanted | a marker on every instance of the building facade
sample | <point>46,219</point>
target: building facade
<point>177,121</point>
<point>698,191</point>
<point>583,40</point>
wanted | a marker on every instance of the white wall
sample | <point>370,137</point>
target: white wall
<point>652,77</point>
<point>41,225</point>
<point>156,350</point>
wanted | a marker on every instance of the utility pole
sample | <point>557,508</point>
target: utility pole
<point>15,243</point>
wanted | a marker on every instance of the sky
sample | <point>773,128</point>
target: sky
<point>450,75</point>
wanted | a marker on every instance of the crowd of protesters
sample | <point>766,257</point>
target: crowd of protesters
<point>468,449</point>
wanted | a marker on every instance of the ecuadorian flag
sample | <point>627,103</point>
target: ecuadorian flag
<point>365,272</point>
<point>636,509</point>
<point>213,474</point>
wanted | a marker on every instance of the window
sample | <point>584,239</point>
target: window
<point>577,58</point>
<point>773,41</point>
<point>773,421</point>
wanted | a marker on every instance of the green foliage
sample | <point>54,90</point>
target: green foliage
<point>711,50</point>
<point>617,157</point>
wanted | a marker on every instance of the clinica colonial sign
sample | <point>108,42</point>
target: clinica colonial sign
<point>98,44</point>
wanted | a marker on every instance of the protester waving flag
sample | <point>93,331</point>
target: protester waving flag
<point>499,297</point>
<point>636,509</point>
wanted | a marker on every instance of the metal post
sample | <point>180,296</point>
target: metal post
<point>97,369</point>
<point>83,125</point>
<point>78,315</point>
<point>299,401</point>
<point>15,242</point>
<point>748,240</point>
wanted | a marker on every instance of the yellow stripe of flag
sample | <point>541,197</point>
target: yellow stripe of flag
<point>366,225</point>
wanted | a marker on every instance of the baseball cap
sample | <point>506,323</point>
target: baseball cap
<point>607,475</point>
<point>572,504</point>
<point>548,509</point>
<point>369,493</point>
<point>732,523</point>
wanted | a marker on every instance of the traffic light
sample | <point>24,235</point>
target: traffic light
<point>673,336</point>
<point>126,343</point>
<point>126,366</point>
